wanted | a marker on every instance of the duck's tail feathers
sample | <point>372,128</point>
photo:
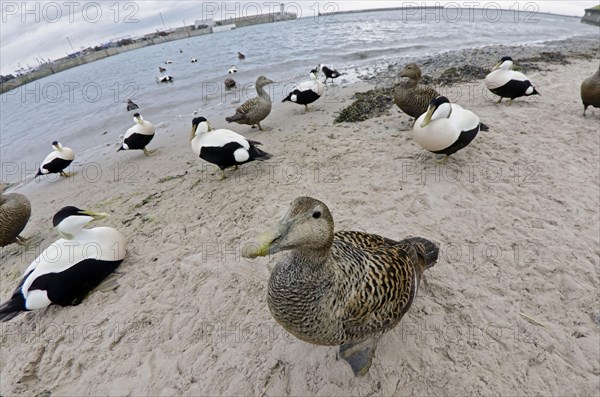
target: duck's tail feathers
<point>483,127</point>
<point>10,309</point>
<point>235,117</point>
<point>428,249</point>
<point>256,153</point>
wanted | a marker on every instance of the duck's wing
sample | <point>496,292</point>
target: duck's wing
<point>247,106</point>
<point>381,285</point>
<point>364,240</point>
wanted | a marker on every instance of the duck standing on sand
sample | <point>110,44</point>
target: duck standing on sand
<point>307,92</point>
<point>412,98</point>
<point>446,128</point>
<point>67,271</point>
<point>139,136</point>
<point>330,72</point>
<point>344,288</point>
<point>57,161</point>
<point>15,210</point>
<point>590,91</point>
<point>254,110</point>
<point>222,147</point>
<point>508,83</point>
<point>131,105</point>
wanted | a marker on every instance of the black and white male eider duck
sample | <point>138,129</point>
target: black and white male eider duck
<point>57,161</point>
<point>15,210</point>
<point>508,83</point>
<point>232,70</point>
<point>342,288</point>
<point>446,128</point>
<point>168,62</point>
<point>590,91</point>
<point>193,60</point>
<point>139,136</point>
<point>69,268</point>
<point>254,110</point>
<point>330,72</point>
<point>164,79</point>
<point>222,147</point>
<point>131,105</point>
<point>307,92</point>
<point>241,56</point>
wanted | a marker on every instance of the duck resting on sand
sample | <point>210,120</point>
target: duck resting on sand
<point>341,289</point>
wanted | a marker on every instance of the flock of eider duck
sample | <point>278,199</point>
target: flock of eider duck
<point>340,288</point>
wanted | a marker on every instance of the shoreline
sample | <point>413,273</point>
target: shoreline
<point>190,315</point>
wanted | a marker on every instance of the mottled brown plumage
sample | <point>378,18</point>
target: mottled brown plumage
<point>15,210</point>
<point>255,110</point>
<point>344,288</point>
<point>590,91</point>
<point>229,83</point>
<point>412,98</point>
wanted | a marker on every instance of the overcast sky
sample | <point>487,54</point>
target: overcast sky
<point>31,29</point>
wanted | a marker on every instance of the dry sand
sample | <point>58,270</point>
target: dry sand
<point>507,310</point>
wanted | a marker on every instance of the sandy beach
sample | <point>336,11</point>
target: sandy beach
<point>511,307</point>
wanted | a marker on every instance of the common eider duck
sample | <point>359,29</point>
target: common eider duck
<point>168,62</point>
<point>330,72</point>
<point>232,70</point>
<point>57,161</point>
<point>15,210</point>
<point>229,83</point>
<point>412,98</point>
<point>164,79</point>
<point>193,60</point>
<point>507,83</point>
<point>222,147</point>
<point>69,268</point>
<point>138,136</point>
<point>590,91</point>
<point>161,69</point>
<point>131,105</point>
<point>345,288</point>
<point>446,128</point>
<point>307,92</point>
<point>241,56</point>
<point>254,110</point>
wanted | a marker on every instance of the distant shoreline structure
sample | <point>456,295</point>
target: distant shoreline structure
<point>159,37</point>
<point>592,16</point>
<point>323,14</point>
<point>8,83</point>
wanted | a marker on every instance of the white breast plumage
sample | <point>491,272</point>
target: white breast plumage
<point>145,128</point>
<point>442,133</point>
<point>499,78</point>
<point>218,138</point>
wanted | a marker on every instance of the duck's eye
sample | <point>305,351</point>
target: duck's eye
<point>317,214</point>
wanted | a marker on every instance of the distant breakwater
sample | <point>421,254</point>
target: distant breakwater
<point>182,33</point>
